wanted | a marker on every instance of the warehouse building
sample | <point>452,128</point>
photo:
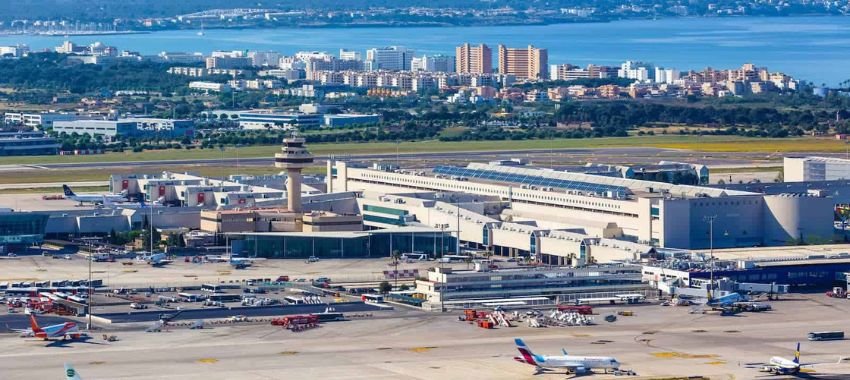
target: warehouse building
<point>275,120</point>
<point>27,144</point>
<point>341,120</point>
<point>802,169</point>
<point>126,127</point>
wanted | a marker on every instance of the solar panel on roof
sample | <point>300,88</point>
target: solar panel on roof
<point>526,179</point>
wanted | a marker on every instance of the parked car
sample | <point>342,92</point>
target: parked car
<point>138,306</point>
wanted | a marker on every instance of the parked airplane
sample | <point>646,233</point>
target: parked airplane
<point>783,366</point>
<point>575,364</point>
<point>158,260</point>
<point>71,373</point>
<point>241,262</point>
<point>93,198</point>
<point>725,301</point>
<point>61,331</point>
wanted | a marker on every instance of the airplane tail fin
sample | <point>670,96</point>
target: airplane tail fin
<point>526,353</point>
<point>34,324</point>
<point>71,373</point>
<point>68,191</point>
<point>797,354</point>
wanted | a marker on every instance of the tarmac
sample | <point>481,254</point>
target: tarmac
<point>658,342</point>
<point>179,273</point>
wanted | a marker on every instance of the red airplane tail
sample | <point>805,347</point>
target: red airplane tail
<point>34,324</point>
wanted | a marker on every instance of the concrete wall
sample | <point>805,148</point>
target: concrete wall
<point>102,224</point>
<point>737,222</point>
<point>794,169</point>
<point>787,217</point>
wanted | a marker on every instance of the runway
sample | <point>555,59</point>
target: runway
<point>643,155</point>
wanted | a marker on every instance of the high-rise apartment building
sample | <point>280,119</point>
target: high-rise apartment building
<point>433,64</point>
<point>524,63</point>
<point>474,59</point>
<point>393,58</point>
<point>349,55</point>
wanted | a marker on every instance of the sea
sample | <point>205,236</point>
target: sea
<point>814,49</point>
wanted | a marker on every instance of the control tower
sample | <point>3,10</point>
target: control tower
<point>292,158</point>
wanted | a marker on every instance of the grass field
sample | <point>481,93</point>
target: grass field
<point>726,144</point>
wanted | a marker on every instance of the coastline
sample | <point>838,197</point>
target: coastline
<point>75,34</point>
<point>382,25</point>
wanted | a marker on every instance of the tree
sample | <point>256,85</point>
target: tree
<point>395,256</point>
<point>384,287</point>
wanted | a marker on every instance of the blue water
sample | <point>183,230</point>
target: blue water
<point>815,49</point>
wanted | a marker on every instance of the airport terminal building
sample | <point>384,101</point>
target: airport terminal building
<point>540,204</point>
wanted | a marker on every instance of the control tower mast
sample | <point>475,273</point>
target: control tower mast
<point>293,158</point>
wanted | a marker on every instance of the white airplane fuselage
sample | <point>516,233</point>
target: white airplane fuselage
<point>782,365</point>
<point>569,361</point>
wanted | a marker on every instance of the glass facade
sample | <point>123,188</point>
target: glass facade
<point>342,246</point>
<point>22,228</point>
<point>388,215</point>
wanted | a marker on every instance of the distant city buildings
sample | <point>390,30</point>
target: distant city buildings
<point>524,63</point>
<point>264,58</point>
<point>434,64</point>
<point>228,62</point>
<point>568,72</point>
<point>209,86</point>
<point>15,51</point>
<point>349,55</point>
<point>96,48</point>
<point>396,71</point>
<point>200,72</point>
<point>640,71</point>
<point>181,57</point>
<point>392,58</point>
<point>36,119</point>
<point>474,59</point>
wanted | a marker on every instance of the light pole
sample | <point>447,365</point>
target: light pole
<point>88,326</point>
<point>710,221</point>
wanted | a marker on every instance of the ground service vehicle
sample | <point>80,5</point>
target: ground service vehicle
<point>826,335</point>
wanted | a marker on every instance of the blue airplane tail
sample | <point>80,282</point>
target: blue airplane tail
<point>797,354</point>
<point>67,190</point>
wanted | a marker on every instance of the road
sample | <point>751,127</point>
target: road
<point>219,313</point>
